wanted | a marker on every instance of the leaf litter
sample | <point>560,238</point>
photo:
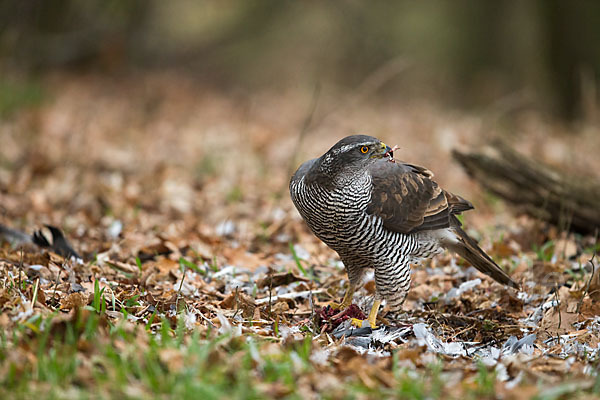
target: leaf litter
<point>162,231</point>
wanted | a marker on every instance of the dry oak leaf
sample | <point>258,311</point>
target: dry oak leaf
<point>558,321</point>
<point>239,301</point>
<point>280,307</point>
<point>243,258</point>
<point>166,265</point>
<point>73,301</point>
<point>123,267</point>
<point>279,279</point>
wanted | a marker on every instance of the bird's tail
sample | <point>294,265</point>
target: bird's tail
<point>467,248</point>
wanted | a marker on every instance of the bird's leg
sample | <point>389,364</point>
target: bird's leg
<point>347,298</point>
<point>372,318</point>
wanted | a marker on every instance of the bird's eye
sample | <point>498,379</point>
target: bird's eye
<point>364,149</point>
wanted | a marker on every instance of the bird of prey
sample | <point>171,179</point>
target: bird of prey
<point>377,212</point>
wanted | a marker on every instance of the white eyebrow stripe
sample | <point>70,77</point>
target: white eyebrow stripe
<point>347,147</point>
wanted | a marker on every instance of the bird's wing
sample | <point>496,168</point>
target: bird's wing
<point>408,200</point>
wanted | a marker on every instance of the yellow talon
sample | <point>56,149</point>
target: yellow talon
<point>359,323</point>
<point>371,320</point>
<point>347,299</point>
<point>373,314</point>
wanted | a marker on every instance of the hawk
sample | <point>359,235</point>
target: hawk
<point>379,213</point>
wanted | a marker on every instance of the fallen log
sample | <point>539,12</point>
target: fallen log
<point>568,201</point>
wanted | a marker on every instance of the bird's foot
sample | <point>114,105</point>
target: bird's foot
<point>364,323</point>
<point>346,301</point>
<point>337,306</point>
<point>341,306</point>
<point>371,319</point>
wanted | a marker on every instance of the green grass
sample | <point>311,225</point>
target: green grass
<point>545,252</point>
<point>89,358</point>
<point>83,355</point>
<point>307,273</point>
<point>86,356</point>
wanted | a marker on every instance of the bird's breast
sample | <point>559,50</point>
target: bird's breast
<point>333,214</point>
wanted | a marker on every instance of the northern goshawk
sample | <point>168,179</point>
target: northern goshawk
<point>376,212</point>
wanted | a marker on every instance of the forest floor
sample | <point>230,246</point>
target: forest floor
<point>199,279</point>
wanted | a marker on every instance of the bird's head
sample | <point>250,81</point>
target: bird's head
<point>353,154</point>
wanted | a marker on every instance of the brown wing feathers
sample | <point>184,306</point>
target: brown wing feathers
<point>408,201</point>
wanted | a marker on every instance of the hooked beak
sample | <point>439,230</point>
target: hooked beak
<point>388,151</point>
<point>385,151</point>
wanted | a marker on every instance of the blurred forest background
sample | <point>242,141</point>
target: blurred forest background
<point>160,137</point>
<point>506,54</point>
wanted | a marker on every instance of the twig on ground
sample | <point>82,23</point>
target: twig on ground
<point>35,292</point>
<point>56,283</point>
<point>462,331</point>
<point>20,269</point>
<point>312,310</point>
<point>236,300</point>
<point>179,290</point>
<point>293,295</point>
<point>206,319</point>
<point>587,287</point>
<point>270,292</point>
<point>559,313</point>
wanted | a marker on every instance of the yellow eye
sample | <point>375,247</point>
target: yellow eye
<point>364,149</point>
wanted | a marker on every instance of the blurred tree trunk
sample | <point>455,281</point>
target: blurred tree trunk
<point>571,31</point>
<point>570,202</point>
